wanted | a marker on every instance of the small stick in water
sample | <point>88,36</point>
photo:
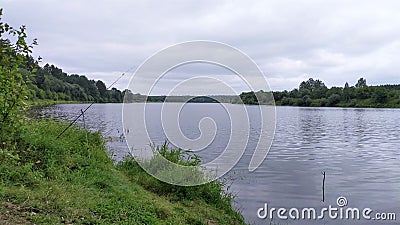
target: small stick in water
<point>323,187</point>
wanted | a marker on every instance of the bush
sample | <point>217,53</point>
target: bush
<point>215,192</point>
<point>333,100</point>
<point>379,96</point>
<point>15,68</point>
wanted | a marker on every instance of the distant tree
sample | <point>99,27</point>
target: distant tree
<point>315,93</point>
<point>56,72</point>
<point>101,87</point>
<point>264,97</point>
<point>361,83</point>
<point>294,93</point>
<point>311,84</point>
<point>141,98</point>
<point>279,95</point>
<point>89,86</point>
<point>249,98</point>
<point>93,91</point>
<point>323,102</point>
<point>346,92</point>
<point>379,95</point>
<point>286,101</point>
<point>319,92</point>
<point>38,78</point>
<point>14,55</point>
<point>304,92</point>
<point>363,92</point>
<point>333,100</point>
<point>114,95</point>
<point>305,101</point>
<point>53,84</point>
<point>334,90</point>
<point>316,89</point>
<point>130,97</point>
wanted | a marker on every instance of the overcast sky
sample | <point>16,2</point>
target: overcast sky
<point>335,41</point>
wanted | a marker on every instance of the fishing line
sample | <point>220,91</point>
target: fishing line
<point>94,101</point>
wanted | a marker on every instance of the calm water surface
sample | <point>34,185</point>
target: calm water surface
<point>357,148</point>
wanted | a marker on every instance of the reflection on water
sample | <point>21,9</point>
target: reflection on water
<point>357,148</point>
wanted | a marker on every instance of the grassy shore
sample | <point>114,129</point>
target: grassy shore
<point>45,180</point>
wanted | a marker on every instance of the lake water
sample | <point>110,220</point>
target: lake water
<point>357,148</point>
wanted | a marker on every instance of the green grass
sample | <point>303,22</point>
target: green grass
<point>45,180</point>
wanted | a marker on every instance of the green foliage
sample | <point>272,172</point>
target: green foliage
<point>311,84</point>
<point>316,94</point>
<point>102,88</point>
<point>215,193</point>
<point>65,180</point>
<point>151,98</point>
<point>249,98</point>
<point>380,95</point>
<point>256,98</point>
<point>177,156</point>
<point>51,83</point>
<point>333,100</point>
<point>15,67</point>
<point>203,99</point>
<point>361,83</point>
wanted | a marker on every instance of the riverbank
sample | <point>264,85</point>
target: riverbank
<point>45,180</point>
<point>45,102</point>
<point>364,103</point>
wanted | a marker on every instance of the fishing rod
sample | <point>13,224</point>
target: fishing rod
<point>94,101</point>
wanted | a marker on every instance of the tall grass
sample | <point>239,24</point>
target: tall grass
<point>50,180</point>
<point>215,192</point>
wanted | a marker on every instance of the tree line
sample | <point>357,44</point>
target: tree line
<point>51,83</point>
<point>315,93</point>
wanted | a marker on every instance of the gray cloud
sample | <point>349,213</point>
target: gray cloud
<point>336,41</point>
